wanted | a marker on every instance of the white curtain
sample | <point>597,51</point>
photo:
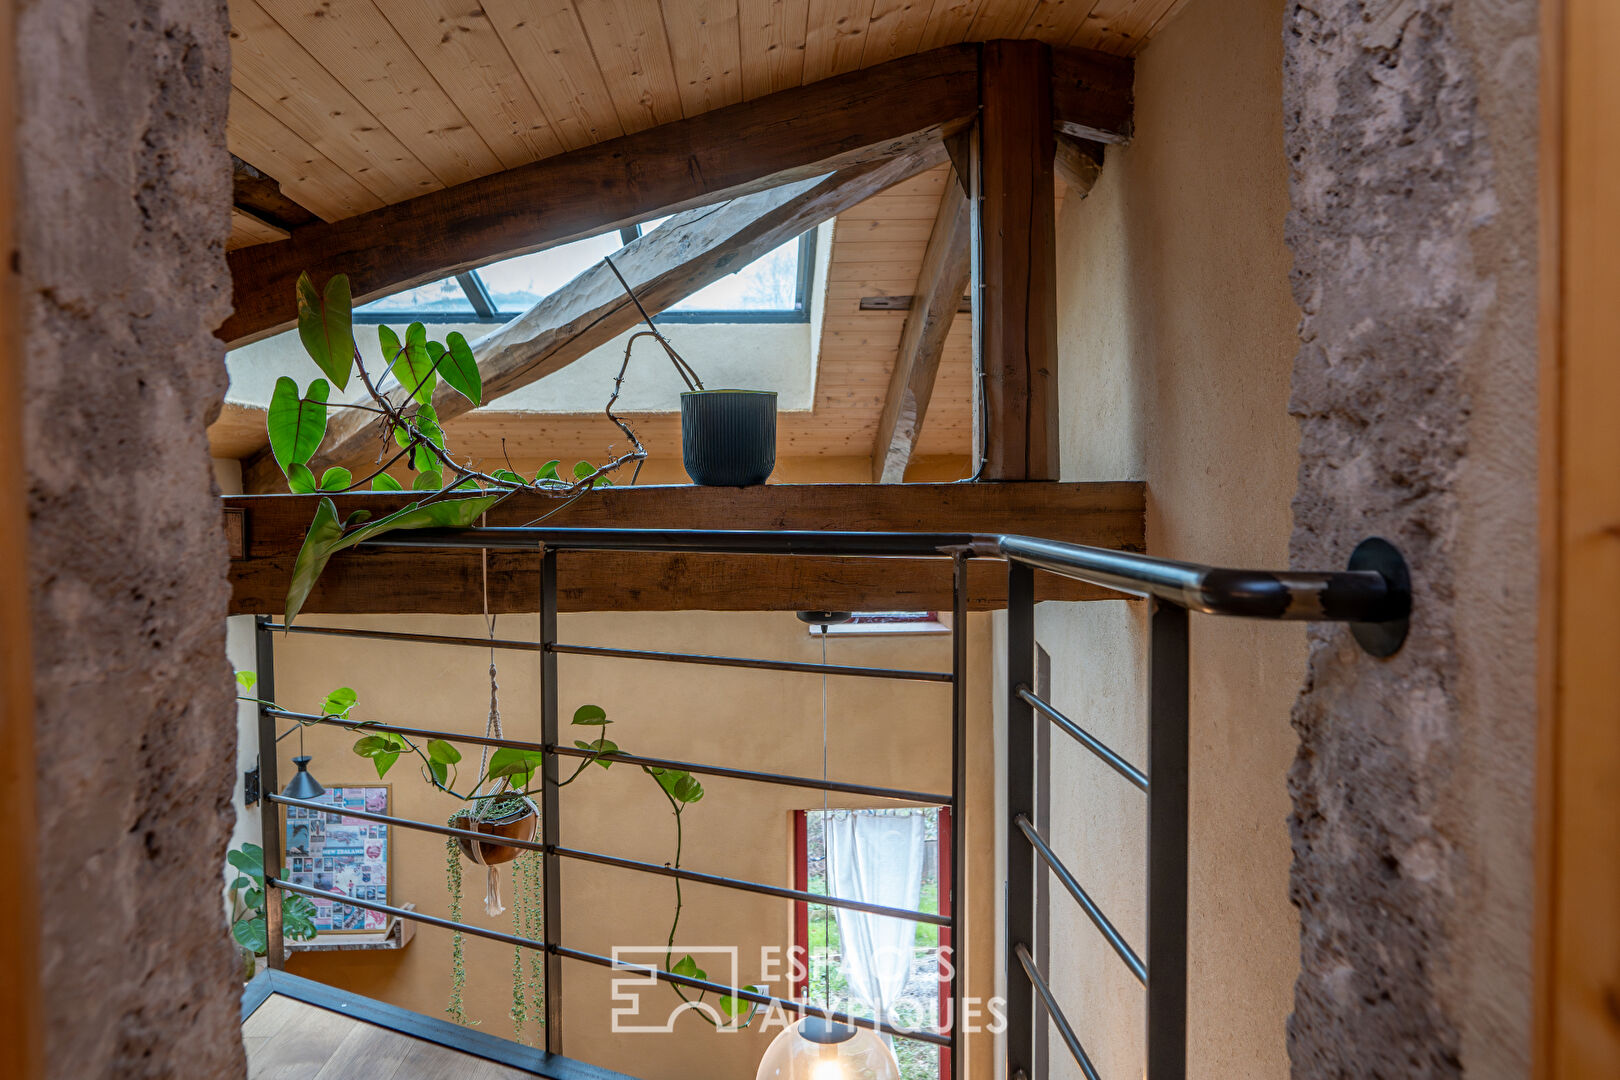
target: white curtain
<point>876,857</point>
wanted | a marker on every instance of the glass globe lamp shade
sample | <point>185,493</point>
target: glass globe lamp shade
<point>817,1049</point>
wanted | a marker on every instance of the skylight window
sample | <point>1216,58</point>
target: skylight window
<point>773,288</point>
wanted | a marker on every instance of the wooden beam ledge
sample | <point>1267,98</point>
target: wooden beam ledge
<point>378,581</point>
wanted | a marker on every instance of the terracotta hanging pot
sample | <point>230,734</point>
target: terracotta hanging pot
<point>519,824</point>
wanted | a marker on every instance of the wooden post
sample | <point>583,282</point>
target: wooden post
<point>1018,261</point>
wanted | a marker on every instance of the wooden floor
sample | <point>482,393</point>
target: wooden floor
<point>291,1040</point>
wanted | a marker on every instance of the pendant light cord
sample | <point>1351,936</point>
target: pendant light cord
<point>826,836</point>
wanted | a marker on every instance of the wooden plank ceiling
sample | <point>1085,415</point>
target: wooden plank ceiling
<point>349,105</point>
<point>352,104</point>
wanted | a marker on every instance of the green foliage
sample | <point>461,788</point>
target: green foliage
<point>738,1008</point>
<point>246,679</point>
<point>431,480</point>
<point>249,926</point>
<point>599,746</point>
<point>582,469</point>
<point>384,482</point>
<point>337,478</point>
<point>688,967</point>
<point>327,536</point>
<point>591,715</point>
<point>413,365</point>
<point>680,785</point>
<point>339,702</point>
<point>518,766</point>
<point>325,326</point>
<point>460,369</point>
<point>383,750</point>
<point>455,1009</point>
<point>300,481</point>
<point>548,471</point>
<point>509,476</point>
<point>296,424</point>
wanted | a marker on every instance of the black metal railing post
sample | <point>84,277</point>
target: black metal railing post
<point>959,784</point>
<point>1020,803</point>
<point>550,774</point>
<point>1167,843</point>
<point>264,647</point>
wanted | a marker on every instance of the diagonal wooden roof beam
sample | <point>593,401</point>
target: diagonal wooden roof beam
<point>874,114</point>
<point>670,263</point>
<point>940,284</point>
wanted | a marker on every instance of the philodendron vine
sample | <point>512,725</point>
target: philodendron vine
<point>454,493</point>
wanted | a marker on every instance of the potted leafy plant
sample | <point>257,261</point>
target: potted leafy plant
<point>248,923</point>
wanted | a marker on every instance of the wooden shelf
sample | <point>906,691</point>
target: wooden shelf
<point>397,936</point>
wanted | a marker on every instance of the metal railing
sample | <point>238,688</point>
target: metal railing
<point>1372,594</point>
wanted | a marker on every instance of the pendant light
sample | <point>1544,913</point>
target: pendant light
<point>816,1048</point>
<point>303,785</point>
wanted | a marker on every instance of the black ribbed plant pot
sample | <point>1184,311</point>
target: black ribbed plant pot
<point>728,437</point>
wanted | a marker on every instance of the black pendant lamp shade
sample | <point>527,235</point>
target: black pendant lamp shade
<point>303,785</point>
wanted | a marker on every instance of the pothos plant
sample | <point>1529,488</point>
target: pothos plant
<point>454,494</point>
<point>439,766</point>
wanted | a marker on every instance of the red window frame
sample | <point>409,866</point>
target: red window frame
<point>799,955</point>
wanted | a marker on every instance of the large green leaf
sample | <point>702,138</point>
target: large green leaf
<point>432,480</point>
<point>296,423</point>
<point>326,536</point>
<point>337,478</point>
<point>599,746</point>
<point>591,715</point>
<point>300,481</point>
<point>460,369</point>
<point>688,967</point>
<point>251,933</point>
<point>325,326</point>
<point>439,750</point>
<point>681,785</point>
<point>414,367</point>
<point>518,765</point>
<point>339,702</point>
<point>384,482</point>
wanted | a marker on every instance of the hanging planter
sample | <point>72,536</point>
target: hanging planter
<point>511,818</point>
<point>728,437</point>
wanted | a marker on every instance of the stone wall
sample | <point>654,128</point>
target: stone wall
<point>1411,131</point>
<point>123,188</point>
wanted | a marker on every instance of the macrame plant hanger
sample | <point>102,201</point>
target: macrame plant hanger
<point>492,730</point>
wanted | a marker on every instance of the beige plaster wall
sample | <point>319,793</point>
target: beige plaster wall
<point>1176,336</point>
<point>880,732</point>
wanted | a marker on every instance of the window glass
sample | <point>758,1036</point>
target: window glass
<point>769,283</point>
<point>515,285</point>
<point>444,295</point>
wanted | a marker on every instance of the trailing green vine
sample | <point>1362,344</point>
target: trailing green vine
<point>456,1009</point>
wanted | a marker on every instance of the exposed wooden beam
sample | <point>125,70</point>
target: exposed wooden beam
<point>875,113</point>
<point>261,196</point>
<point>940,282</point>
<point>248,229</point>
<point>906,303</point>
<point>1018,263</point>
<point>1079,162</point>
<point>1086,86</point>
<point>668,264</point>
<point>380,580</point>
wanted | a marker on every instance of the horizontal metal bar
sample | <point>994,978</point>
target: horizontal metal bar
<point>696,541</point>
<point>407,823</point>
<point>629,654</point>
<point>749,662</point>
<point>397,729</point>
<point>755,887</point>
<point>603,961</point>
<point>814,783</point>
<point>1058,1019</point>
<point>661,870</point>
<point>900,794</point>
<point>1333,596</point>
<point>1086,739</point>
<point>417,639</point>
<point>788,1004</point>
<point>1081,897</point>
